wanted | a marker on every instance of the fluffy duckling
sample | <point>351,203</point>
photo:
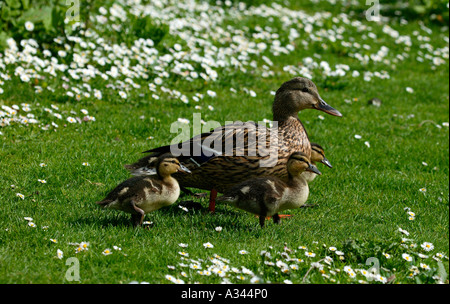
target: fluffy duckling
<point>266,196</point>
<point>317,156</point>
<point>143,194</point>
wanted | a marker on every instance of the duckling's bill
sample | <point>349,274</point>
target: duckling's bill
<point>313,169</point>
<point>184,169</point>
<point>326,162</point>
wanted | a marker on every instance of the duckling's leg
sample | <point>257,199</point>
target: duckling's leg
<point>212,200</point>
<point>262,220</point>
<point>138,217</point>
<point>276,218</point>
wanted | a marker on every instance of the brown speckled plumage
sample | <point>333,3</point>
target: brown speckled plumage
<point>225,170</point>
<point>142,194</point>
<point>266,196</point>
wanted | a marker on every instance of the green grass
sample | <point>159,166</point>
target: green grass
<point>360,201</point>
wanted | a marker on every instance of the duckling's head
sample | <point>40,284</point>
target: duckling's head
<point>299,162</point>
<point>298,94</point>
<point>167,164</point>
<point>318,155</point>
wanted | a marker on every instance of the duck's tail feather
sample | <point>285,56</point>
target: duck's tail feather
<point>104,203</point>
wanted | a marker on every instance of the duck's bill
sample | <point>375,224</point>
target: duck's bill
<point>184,169</point>
<point>313,169</point>
<point>326,162</point>
<point>323,106</point>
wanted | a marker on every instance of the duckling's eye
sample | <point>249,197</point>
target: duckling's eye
<point>305,90</point>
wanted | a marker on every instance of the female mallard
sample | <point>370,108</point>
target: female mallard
<point>142,194</point>
<point>266,196</point>
<point>231,164</point>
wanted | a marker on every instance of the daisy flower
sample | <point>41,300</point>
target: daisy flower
<point>427,246</point>
<point>255,280</point>
<point>380,278</point>
<point>71,119</point>
<point>183,245</point>
<point>53,241</point>
<point>31,224</point>
<point>387,255</point>
<point>310,254</point>
<point>243,252</point>
<point>107,251</point>
<point>59,254</point>
<point>424,266</point>
<point>185,254</point>
<point>20,195</point>
<point>208,245</point>
<point>195,266</point>
<point>83,246</point>
<point>42,165</point>
<point>42,181</point>
<point>218,228</point>
<point>211,93</point>
<point>403,231</point>
<point>85,164</point>
<point>407,257</point>
<point>29,26</point>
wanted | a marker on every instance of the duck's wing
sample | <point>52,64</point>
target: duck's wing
<point>248,140</point>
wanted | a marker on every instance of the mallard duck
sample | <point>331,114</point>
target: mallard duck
<point>143,194</point>
<point>218,169</point>
<point>266,196</point>
<point>317,156</point>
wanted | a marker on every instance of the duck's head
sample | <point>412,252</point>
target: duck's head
<point>168,164</point>
<point>318,155</point>
<point>299,162</point>
<point>298,94</point>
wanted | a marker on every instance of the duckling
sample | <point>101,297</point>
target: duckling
<point>266,196</point>
<point>317,155</point>
<point>143,194</point>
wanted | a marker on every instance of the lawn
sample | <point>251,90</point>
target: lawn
<point>73,115</point>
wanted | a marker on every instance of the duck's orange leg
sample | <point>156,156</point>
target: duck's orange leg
<point>284,215</point>
<point>212,200</point>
